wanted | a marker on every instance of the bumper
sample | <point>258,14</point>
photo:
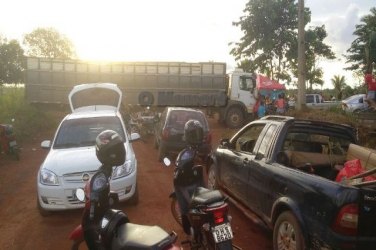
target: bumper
<point>55,198</point>
<point>338,242</point>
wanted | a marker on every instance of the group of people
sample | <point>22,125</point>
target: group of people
<point>265,105</point>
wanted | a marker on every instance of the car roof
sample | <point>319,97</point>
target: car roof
<point>354,97</point>
<point>183,109</point>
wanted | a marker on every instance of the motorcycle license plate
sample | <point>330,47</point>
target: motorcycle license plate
<point>222,232</point>
<point>12,143</point>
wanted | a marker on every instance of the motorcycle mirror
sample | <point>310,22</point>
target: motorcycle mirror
<point>80,194</point>
<point>166,161</point>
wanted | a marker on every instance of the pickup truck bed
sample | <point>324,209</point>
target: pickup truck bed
<point>283,169</point>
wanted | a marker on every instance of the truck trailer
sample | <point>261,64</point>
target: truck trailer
<point>204,85</point>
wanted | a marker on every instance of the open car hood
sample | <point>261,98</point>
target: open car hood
<point>95,96</point>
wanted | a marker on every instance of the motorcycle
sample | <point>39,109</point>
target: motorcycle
<point>143,122</point>
<point>8,143</point>
<point>210,223</point>
<point>105,228</point>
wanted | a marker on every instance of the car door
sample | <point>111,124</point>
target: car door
<point>235,160</point>
<point>260,174</point>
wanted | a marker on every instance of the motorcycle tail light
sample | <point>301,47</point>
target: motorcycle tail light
<point>165,134</point>
<point>219,213</point>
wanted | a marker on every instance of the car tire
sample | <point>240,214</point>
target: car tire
<point>287,232</point>
<point>161,152</point>
<point>135,198</point>
<point>212,177</point>
<point>42,212</point>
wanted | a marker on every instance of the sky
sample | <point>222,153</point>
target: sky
<point>169,30</point>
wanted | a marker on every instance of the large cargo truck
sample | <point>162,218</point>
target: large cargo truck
<point>204,85</point>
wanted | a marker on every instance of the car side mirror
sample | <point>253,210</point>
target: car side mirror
<point>46,144</point>
<point>225,143</point>
<point>134,137</point>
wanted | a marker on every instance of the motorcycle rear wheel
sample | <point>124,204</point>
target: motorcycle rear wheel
<point>175,210</point>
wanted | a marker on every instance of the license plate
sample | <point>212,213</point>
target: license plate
<point>222,233</point>
<point>12,143</point>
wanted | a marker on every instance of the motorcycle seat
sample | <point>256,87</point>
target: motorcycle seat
<point>203,197</point>
<point>134,236</point>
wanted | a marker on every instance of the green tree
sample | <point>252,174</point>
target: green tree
<point>357,53</point>
<point>315,49</point>
<point>49,43</point>
<point>269,44</point>
<point>339,84</point>
<point>11,61</point>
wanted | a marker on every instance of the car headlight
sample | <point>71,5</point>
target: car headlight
<point>47,177</point>
<point>123,170</point>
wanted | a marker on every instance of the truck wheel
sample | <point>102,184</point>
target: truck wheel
<point>212,177</point>
<point>287,233</point>
<point>234,118</point>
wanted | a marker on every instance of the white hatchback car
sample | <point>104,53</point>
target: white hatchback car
<point>72,160</point>
<point>354,103</point>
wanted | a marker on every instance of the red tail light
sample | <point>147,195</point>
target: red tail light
<point>165,134</point>
<point>346,222</point>
<point>219,213</point>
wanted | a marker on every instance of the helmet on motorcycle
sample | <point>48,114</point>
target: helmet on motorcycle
<point>193,132</point>
<point>109,148</point>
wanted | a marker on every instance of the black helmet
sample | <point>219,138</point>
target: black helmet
<point>109,148</point>
<point>193,132</point>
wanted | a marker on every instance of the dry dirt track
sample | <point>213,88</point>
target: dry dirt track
<point>21,226</point>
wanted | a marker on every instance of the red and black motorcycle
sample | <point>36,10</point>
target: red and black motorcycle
<point>207,219</point>
<point>203,213</point>
<point>105,228</point>
<point>8,143</point>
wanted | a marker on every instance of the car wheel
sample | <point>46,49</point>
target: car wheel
<point>42,211</point>
<point>135,198</point>
<point>161,152</point>
<point>287,233</point>
<point>212,177</point>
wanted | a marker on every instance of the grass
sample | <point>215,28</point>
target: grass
<point>30,121</point>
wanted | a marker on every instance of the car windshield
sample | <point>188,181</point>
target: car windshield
<point>178,118</point>
<point>82,132</point>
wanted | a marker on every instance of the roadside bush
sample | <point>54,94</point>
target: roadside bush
<point>29,120</point>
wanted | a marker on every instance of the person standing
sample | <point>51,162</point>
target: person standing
<point>280,105</point>
<point>261,109</point>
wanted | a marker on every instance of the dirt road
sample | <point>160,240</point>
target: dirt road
<point>21,226</point>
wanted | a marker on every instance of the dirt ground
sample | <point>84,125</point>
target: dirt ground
<point>21,226</point>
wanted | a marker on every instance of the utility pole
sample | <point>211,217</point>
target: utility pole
<point>301,102</point>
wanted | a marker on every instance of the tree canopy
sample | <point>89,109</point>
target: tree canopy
<point>357,54</point>
<point>11,61</point>
<point>269,44</point>
<point>339,84</point>
<point>49,43</point>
